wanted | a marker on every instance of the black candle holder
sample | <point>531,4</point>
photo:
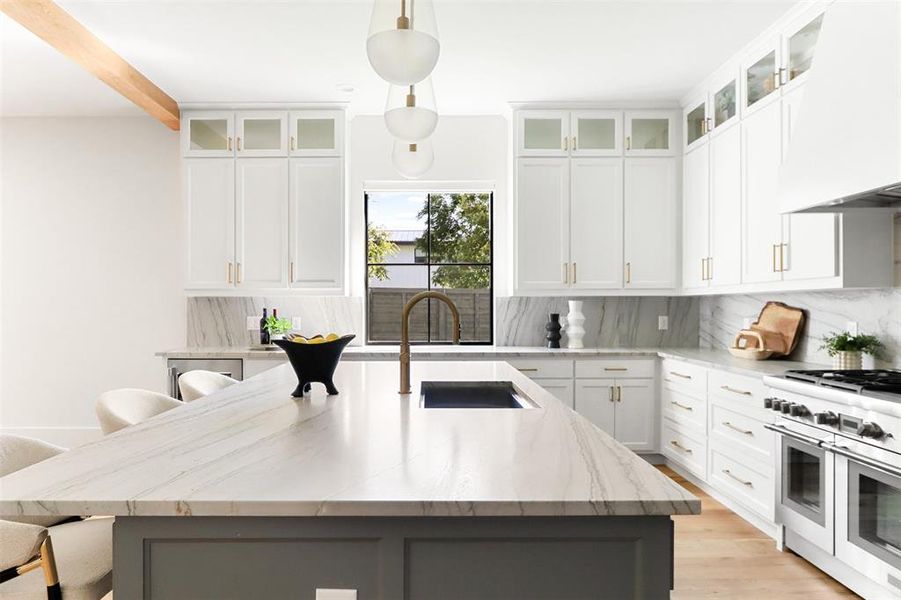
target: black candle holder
<point>553,328</point>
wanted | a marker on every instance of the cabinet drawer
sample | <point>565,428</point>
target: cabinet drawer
<point>740,431</point>
<point>543,368</point>
<point>750,391</point>
<point>687,449</point>
<point>685,375</point>
<point>625,368</point>
<point>683,408</point>
<point>747,482</point>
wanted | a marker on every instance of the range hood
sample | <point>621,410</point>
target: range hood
<point>844,151</point>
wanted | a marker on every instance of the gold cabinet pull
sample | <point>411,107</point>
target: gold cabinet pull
<point>291,272</point>
<point>682,406</point>
<point>628,272</point>
<point>612,393</point>
<point>682,375</point>
<point>709,268</point>
<point>782,248</point>
<point>565,144</point>
<point>735,391</point>
<point>526,370</point>
<point>616,368</point>
<point>228,272</point>
<point>628,142</point>
<point>574,272</point>
<point>293,143</point>
<point>229,143</point>
<point>679,446</point>
<point>619,393</point>
<point>775,270</point>
<point>728,473</point>
<point>575,146</point>
<point>738,429</point>
<point>238,142</point>
<point>566,273</point>
<point>238,273</point>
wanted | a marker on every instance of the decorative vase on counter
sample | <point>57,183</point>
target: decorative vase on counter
<point>574,325</point>
<point>845,360</point>
<point>553,328</point>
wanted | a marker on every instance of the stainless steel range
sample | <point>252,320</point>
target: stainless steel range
<point>839,473</point>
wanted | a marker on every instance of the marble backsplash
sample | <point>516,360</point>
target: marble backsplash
<point>877,312</point>
<point>222,321</point>
<point>609,321</point>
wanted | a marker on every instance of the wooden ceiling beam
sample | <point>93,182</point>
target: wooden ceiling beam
<point>58,28</point>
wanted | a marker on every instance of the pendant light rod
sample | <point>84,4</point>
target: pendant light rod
<point>411,98</point>
<point>402,21</point>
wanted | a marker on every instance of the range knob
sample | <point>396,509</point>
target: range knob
<point>777,404</point>
<point>786,407</point>
<point>768,402</point>
<point>825,418</point>
<point>798,410</point>
<point>870,430</point>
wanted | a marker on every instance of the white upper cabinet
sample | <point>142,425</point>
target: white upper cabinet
<point>208,134</point>
<point>724,102</point>
<point>695,217</point>
<point>542,224</point>
<point>695,122</point>
<point>316,133</point>
<point>762,221</point>
<point>596,223</point>
<point>542,133</point>
<point>798,47</point>
<point>261,223</point>
<point>261,133</point>
<point>595,133</point>
<point>317,224</point>
<point>723,267</point>
<point>649,133</point>
<point>650,222</point>
<point>208,189</point>
<point>760,75</point>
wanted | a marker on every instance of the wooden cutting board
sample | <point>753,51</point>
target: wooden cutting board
<point>779,326</point>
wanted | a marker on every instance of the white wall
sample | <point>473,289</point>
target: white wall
<point>467,148</point>
<point>91,249</point>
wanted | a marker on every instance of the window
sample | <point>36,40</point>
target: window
<point>420,241</point>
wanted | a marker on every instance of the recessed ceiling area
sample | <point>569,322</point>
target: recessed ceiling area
<point>492,52</point>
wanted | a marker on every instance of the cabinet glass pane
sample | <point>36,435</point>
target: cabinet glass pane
<point>596,134</point>
<point>801,48</point>
<point>315,134</point>
<point>262,134</point>
<point>761,78</point>
<point>209,134</point>
<point>650,134</point>
<point>542,134</point>
<point>694,123</point>
<point>724,104</point>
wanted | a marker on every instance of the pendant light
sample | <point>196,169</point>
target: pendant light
<point>410,112</point>
<point>403,40</point>
<point>412,160</point>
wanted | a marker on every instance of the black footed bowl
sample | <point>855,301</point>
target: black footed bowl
<point>314,362</point>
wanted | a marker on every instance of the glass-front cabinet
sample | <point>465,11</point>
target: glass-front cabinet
<point>209,133</point>
<point>799,47</point>
<point>261,133</point>
<point>696,123</point>
<point>542,133</point>
<point>569,133</point>
<point>596,133</point>
<point>725,104</point>
<point>316,133</point>
<point>760,75</point>
<point>649,133</point>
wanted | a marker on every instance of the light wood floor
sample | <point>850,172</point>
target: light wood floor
<point>720,555</point>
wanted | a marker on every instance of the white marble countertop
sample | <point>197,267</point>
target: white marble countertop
<point>253,450</point>
<point>719,359</point>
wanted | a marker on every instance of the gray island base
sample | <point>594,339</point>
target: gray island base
<point>250,493</point>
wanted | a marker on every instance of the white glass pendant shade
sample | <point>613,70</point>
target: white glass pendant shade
<point>403,42</point>
<point>410,112</point>
<point>412,160</point>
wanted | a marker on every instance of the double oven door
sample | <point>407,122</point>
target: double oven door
<point>868,511</point>
<point>806,482</point>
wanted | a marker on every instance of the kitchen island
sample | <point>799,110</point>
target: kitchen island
<point>252,493</point>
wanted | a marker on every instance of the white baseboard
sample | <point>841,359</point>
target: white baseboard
<point>67,437</point>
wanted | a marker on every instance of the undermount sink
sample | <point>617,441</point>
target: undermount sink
<point>471,394</point>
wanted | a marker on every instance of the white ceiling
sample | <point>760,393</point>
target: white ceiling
<point>492,52</point>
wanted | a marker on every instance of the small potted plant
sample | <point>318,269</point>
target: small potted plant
<point>846,350</point>
<point>277,327</point>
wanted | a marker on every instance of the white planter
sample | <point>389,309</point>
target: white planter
<point>574,325</point>
<point>847,360</point>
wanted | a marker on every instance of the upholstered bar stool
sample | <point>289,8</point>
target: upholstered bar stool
<point>199,383</point>
<point>121,408</point>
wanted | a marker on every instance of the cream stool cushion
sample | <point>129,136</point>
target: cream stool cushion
<point>199,383</point>
<point>118,409</point>
<point>18,452</point>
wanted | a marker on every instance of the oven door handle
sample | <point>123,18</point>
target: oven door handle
<point>783,430</point>
<point>864,460</point>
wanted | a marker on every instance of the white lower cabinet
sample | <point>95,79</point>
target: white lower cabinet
<point>596,401</point>
<point>749,483</point>
<point>624,408</point>
<point>562,389</point>
<point>684,446</point>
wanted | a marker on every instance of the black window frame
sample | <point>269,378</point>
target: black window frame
<point>428,265</point>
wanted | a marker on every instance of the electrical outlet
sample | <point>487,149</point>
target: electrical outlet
<point>331,594</point>
<point>852,327</point>
<point>662,322</point>
<point>295,323</point>
<point>253,323</point>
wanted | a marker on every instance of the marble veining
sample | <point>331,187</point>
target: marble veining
<point>253,450</point>
<point>610,321</point>
<point>221,321</point>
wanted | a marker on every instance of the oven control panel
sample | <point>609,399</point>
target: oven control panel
<point>850,425</point>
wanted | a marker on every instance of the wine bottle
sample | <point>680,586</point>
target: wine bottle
<point>264,332</point>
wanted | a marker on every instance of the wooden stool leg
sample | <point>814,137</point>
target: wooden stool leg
<point>51,577</point>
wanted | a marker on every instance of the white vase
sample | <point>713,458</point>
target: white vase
<point>847,360</point>
<point>574,325</point>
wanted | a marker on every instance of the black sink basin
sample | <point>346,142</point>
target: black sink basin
<point>471,394</point>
